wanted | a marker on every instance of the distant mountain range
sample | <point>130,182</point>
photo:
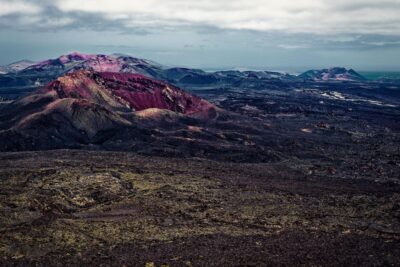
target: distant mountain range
<point>127,64</point>
<point>27,74</point>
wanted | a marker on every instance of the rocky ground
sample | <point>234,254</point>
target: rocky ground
<point>91,208</point>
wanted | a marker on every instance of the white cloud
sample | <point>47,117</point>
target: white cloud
<point>8,7</point>
<point>300,16</point>
<point>291,46</point>
<point>321,17</point>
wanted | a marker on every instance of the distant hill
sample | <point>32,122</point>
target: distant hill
<point>333,74</point>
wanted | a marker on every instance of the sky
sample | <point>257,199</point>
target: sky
<point>212,34</point>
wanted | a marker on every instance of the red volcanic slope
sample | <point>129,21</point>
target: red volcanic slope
<point>133,91</point>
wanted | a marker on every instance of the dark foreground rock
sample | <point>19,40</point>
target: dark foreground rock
<point>81,208</point>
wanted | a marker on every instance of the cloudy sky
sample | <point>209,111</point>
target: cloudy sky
<point>260,34</point>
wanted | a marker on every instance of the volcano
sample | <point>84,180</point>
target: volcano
<point>80,107</point>
<point>129,92</point>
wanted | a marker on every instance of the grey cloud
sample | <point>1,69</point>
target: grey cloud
<point>214,25</point>
<point>301,16</point>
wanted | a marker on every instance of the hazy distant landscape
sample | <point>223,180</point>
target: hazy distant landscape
<point>380,75</point>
